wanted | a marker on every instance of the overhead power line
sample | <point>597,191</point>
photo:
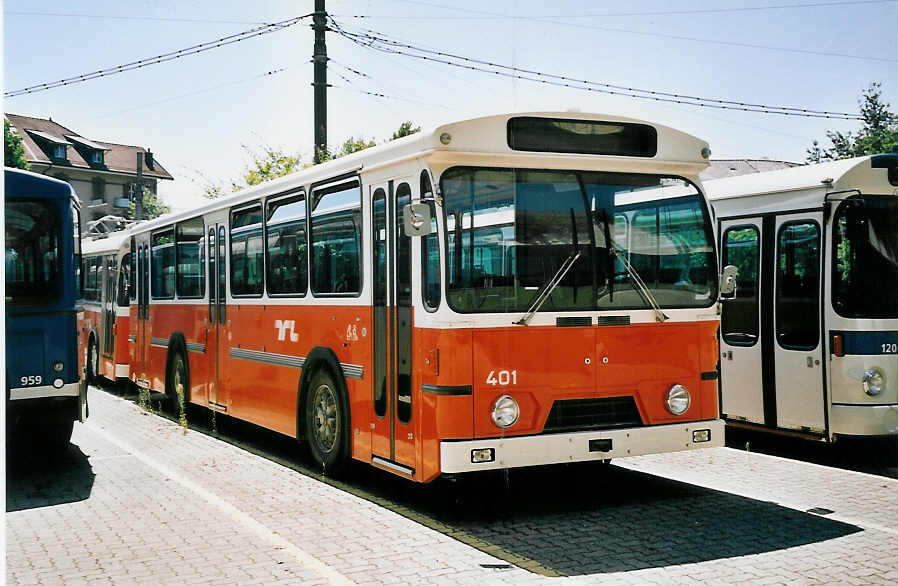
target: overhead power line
<point>484,15</point>
<point>137,18</point>
<point>208,46</point>
<point>377,42</point>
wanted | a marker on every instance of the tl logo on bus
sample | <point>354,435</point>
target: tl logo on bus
<point>282,326</point>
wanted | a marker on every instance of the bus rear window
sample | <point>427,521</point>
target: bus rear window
<point>588,137</point>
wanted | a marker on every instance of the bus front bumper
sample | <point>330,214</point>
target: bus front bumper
<point>582,446</point>
<point>44,392</point>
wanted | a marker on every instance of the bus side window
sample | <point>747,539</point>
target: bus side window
<point>191,273</point>
<point>124,282</point>
<point>247,251</point>
<point>286,268</point>
<point>162,264</point>
<point>336,238</point>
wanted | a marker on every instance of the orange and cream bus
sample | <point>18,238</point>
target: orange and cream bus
<point>105,266</point>
<point>507,291</point>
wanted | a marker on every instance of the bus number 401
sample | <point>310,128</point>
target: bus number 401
<point>503,378</point>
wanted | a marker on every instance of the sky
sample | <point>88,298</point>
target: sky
<point>203,114</point>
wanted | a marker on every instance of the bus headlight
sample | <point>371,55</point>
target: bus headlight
<point>505,411</point>
<point>58,366</point>
<point>678,399</point>
<point>874,381</point>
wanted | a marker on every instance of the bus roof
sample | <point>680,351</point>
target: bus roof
<point>106,244</point>
<point>484,136</point>
<point>869,174</point>
<point>19,183</point>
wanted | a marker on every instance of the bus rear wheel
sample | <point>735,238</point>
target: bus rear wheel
<point>326,417</point>
<point>178,384</point>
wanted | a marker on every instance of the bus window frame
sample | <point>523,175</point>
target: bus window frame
<point>324,188</point>
<point>152,246</point>
<point>230,247</point>
<point>286,198</point>
<point>202,263</point>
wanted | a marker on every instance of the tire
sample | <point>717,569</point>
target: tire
<point>93,361</point>
<point>177,386</point>
<point>326,421</point>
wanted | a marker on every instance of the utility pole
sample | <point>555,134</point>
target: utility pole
<point>138,197</point>
<point>319,57</point>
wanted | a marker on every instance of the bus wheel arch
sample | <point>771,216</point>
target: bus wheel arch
<point>322,387</point>
<point>177,373</point>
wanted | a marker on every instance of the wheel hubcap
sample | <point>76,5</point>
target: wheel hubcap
<point>325,418</point>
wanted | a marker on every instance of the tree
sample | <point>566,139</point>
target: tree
<point>266,164</point>
<point>269,163</point>
<point>878,133</point>
<point>153,207</point>
<point>405,129</point>
<point>13,150</point>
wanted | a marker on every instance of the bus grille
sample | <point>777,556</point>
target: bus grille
<point>589,414</point>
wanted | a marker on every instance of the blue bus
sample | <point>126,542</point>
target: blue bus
<point>45,392</point>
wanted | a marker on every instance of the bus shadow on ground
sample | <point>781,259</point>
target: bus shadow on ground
<point>586,519</point>
<point>561,520</point>
<point>41,478</point>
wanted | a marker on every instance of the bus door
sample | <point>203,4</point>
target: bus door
<point>798,368</point>
<point>142,328</point>
<point>110,280</point>
<point>742,396</point>
<point>217,318</point>
<point>393,433</point>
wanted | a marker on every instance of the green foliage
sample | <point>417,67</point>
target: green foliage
<point>269,163</point>
<point>13,151</point>
<point>153,207</point>
<point>405,129</point>
<point>878,133</point>
<point>266,164</point>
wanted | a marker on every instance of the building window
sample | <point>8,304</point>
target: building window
<point>99,188</point>
<point>59,151</point>
<point>96,157</point>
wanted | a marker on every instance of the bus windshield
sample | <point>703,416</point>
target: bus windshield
<point>33,247</point>
<point>865,257</point>
<point>510,232</point>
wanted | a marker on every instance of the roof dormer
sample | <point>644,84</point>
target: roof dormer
<point>90,151</point>
<point>53,146</point>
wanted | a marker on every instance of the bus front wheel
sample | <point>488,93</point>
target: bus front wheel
<point>178,384</point>
<point>326,417</point>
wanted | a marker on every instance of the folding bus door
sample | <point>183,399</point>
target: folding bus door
<point>217,320</point>
<point>796,315</point>
<point>742,385</point>
<point>141,326</point>
<point>393,439</point>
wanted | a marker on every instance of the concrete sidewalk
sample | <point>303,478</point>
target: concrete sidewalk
<point>139,501</point>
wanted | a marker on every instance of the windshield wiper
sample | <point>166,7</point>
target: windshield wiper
<point>556,279</point>
<point>641,287</point>
<point>614,252</point>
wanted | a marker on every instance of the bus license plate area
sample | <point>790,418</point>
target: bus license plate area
<point>600,445</point>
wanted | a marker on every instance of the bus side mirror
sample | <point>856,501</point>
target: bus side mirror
<point>416,219</point>
<point>728,282</point>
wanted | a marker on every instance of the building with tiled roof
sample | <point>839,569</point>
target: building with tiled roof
<point>102,173</point>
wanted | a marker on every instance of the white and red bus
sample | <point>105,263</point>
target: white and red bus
<point>507,291</point>
<point>105,266</point>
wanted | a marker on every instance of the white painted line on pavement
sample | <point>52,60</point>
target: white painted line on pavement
<point>277,541</point>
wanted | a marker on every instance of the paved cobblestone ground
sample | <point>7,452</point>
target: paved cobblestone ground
<point>135,500</point>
